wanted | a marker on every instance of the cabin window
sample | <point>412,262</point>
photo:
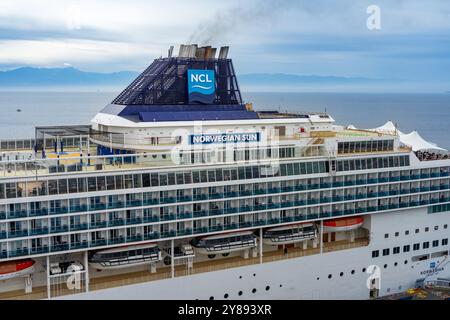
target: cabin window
<point>203,176</point>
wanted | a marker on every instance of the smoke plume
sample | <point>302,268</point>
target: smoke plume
<point>238,18</point>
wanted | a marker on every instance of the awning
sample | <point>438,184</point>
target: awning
<point>389,127</point>
<point>416,142</point>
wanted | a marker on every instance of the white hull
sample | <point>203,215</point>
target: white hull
<point>308,277</point>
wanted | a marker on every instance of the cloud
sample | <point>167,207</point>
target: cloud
<point>304,37</point>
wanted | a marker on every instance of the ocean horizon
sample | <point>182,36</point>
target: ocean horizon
<point>426,113</point>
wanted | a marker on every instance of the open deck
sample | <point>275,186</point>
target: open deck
<point>124,279</point>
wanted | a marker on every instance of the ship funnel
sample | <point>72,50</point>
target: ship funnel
<point>223,54</point>
<point>187,51</point>
<point>194,51</point>
<point>170,52</point>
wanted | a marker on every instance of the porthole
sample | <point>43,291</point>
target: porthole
<point>281,286</point>
<point>225,296</point>
<point>240,293</point>
<point>364,270</point>
<point>267,288</point>
<point>406,262</point>
<point>341,274</point>
<point>353,272</point>
<point>385,266</point>
<point>240,277</point>
<point>395,264</point>
<point>254,274</point>
<point>211,298</point>
<point>254,290</point>
<point>317,278</point>
<point>330,276</point>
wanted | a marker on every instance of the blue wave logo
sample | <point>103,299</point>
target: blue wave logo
<point>202,87</point>
<point>201,81</point>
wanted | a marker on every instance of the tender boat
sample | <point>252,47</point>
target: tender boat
<point>224,243</point>
<point>15,269</point>
<point>127,256</point>
<point>343,224</point>
<point>289,234</point>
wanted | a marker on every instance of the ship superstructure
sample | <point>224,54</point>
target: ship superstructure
<point>178,189</point>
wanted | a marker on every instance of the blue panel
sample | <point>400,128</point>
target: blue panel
<point>136,109</point>
<point>197,115</point>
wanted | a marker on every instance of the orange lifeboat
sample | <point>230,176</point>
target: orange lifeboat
<point>343,224</point>
<point>14,269</point>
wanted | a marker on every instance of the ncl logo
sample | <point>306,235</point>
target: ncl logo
<point>201,81</point>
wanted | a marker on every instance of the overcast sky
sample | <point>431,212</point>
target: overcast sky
<point>279,36</point>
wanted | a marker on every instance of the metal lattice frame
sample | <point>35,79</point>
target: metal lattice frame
<point>164,83</point>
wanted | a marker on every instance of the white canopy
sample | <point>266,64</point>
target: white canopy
<point>389,127</point>
<point>413,139</point>
<point>416,142</point>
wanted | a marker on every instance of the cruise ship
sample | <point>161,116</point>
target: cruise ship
<point>180,190</point>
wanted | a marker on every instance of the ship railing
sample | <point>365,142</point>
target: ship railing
<point>28,144</point>
<point>93,163</point>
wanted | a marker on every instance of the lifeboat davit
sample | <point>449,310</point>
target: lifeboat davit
<point>15,269</point>
<point>289,234</point>
<point>126,256</point>
<point>343,224</point>
<point>224,243</point>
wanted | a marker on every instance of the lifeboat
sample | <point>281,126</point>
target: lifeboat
<point>15,269</point>
<point>289,234</point>
<point>343,224</point>
<point>127,256</point>
<point>224,243</point>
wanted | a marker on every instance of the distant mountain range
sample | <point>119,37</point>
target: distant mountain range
<point>291,79</point>
<point>64,77</point>
<point>36,77</point>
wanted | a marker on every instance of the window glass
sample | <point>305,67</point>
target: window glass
<point>163,179</point>
<point>73,186</point>
<point>101,183</point>
<point>219,176</point>
<point>180,178</point>
<point>62,186</point>
<point>241,173</point>
<point>171,178</point>
<point>52,188</point>
<point>154,179</point>
<point>211,175</point>
<point>203,176</point>
<point>187,177</point>
<point>196,177</point>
